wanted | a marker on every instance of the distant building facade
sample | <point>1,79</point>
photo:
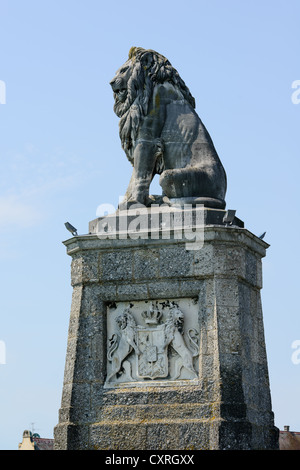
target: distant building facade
<point>35,442</point>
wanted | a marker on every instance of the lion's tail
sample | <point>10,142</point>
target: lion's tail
<point>193,338</point>
<point>112,346</point>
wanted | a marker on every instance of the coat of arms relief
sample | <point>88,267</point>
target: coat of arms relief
<point>152,341</point>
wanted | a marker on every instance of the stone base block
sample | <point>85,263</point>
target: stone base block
<point>166,345</point>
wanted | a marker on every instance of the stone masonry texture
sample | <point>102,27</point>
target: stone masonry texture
<point>229,406</point>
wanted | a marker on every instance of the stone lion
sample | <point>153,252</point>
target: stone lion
<point>174,337</point>
<point>161,133</point>
<point>121,345</point>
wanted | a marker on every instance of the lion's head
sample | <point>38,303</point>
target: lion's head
<point>125,320</point>
<point>174,321</point>
<point>177,318</point>
<point>133,87</point>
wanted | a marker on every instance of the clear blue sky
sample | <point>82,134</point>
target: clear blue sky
<point>60,157</point>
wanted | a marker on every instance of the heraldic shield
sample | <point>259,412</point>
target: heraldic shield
<point>148,341</point>
<point>152,360</point>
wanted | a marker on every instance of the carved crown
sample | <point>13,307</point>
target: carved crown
<point>152,316</point>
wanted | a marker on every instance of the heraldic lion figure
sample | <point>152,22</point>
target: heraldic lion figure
<point>120,346</point>
<point>174,337</point>
<point>161,133</point>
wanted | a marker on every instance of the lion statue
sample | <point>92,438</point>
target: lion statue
<point>161,133</point>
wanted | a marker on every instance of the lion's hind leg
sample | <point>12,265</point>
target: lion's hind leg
<point>178,367</point>
<point>116,365</point>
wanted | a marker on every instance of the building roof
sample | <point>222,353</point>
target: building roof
<point>289,440</point>
<point>35,442</point>
<point>43,444</point>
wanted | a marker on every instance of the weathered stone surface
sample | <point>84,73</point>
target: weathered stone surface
<point>162,134</point>
<point>228,403</point>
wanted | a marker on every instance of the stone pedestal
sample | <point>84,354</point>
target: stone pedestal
<point>166,345</point>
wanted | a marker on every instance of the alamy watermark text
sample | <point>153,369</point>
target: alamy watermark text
<point>296,354</point>
<point>2,352</point>
<point>2,92</point>
<point>296,94</point>
<point>184,222</point>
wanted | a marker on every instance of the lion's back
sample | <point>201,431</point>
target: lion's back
<point>185,138</point>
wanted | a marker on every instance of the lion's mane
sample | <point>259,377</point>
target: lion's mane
<point>127,326</point>
<point>174,322</point>
<point>148,69</point>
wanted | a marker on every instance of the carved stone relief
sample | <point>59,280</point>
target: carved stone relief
<point>152,341</point>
